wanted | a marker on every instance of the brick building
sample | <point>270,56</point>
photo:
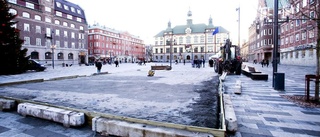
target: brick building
<point>54,31</point>
<point>299,35</point>
<point>110,44</point>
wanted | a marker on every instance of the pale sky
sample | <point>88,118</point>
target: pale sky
<point>146,18</point>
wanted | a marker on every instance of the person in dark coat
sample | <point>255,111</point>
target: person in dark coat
<point>99,66</point>
<point>203,62</point>
<point>267,62</point>
<point>117,63</point>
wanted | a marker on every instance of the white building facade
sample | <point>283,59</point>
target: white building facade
<point>188,42</point>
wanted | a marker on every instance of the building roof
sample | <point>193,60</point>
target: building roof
<point>195,28</point>
<point>69,4</point>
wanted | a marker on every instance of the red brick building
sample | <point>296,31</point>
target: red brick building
<point>299,35</point>
<point>55,31</point>
<point>110,44</point>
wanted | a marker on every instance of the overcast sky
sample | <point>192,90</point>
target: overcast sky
<point>146,18</point>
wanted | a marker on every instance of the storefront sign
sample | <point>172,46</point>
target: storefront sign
<point>302,47</point>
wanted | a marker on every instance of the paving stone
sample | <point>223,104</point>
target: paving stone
<point>35,122</point>
<point>301,131</point>
<point>311,113</point>
<point>271,119</point>
<point>39,132</point>
<point>3,129</point>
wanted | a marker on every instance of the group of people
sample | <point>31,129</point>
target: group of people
<point>198,63</point>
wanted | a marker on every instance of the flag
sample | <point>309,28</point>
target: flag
<point>215,31</point>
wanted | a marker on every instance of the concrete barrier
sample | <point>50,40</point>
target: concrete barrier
<point>6,104</point>
<point>237,87</point>
<point>126,129</point>
<point>230,116</point>
<point>66,117</point>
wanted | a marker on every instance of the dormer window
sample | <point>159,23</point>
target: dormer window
<point>66,7</point>
<point>58,4</point>
<point>72,9</point>
<point>79,11</point>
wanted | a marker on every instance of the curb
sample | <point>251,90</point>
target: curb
<point>22,82</point>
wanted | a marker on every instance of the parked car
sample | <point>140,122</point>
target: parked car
<point>35,65</point>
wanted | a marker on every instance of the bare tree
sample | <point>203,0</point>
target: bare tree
<point>310,10</point>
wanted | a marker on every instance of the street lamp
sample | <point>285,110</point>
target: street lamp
<point>52,48</point>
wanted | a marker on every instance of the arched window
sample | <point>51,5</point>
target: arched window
<point>37,17</point>
<point>25,14</point>
<point>48,55</point>
<point>70,56</point>
<point>60,55</point>
<point>13,11</point>
<point>34,55</point>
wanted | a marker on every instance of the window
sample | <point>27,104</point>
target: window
<point>79,11</point>
<point>66,7</point>
<point>48,32</point>
<point>26,27</point>
<point>297,54</point>
<point>304,35</point>
<point>81,28</point>
<point>73,45</point>
<point>311,14</point>
<point>303,53</point>
<point>195,39</point>
<point>72,9</point>
<point>65,44</point>
<point>34,55</point>
<point>26,40</point>
<point>38,41</point>
<point>297,22</point>
<point>37,17</point>
<point>210,39</point>
<point>72,26</point>
<point>65,24</point>
<point>311,34</point>
<point>47,20</point>
<point>70,56</point>
<point>47,9</point>
<point>57,22</point>
<point>38,29</point>
<point>304,3</point>
<point>297,37</point>
<point>57,44</point>
<point>310,52</point>
<point>72,35</point>
<point>269,31</point>
<point>60,55</point>
<point>79,19</point>
<point>69,17</point>
<point>13,11</point>
<point>58,4</point>
<point>188,40</point>
<point>29,5</point>
<point>59,13</point>
<point>304,19</point>
<point>57,32</point>
<point>25,14</point>
<point>202,39</point>
<point>13,1</point>
<point>65,33</point>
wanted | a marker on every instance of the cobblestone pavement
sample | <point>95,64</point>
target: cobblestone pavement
<point>262,112</point>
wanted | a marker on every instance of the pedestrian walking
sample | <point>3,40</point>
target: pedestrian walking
<point>184,62</point>
<point>203,62</point>
<point>117,63</point>
<point>267,62</point>
<point>262,63</point>
<point>99,66</point>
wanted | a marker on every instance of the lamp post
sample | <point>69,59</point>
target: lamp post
<point>171,54</point>
<point>52,48</point>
